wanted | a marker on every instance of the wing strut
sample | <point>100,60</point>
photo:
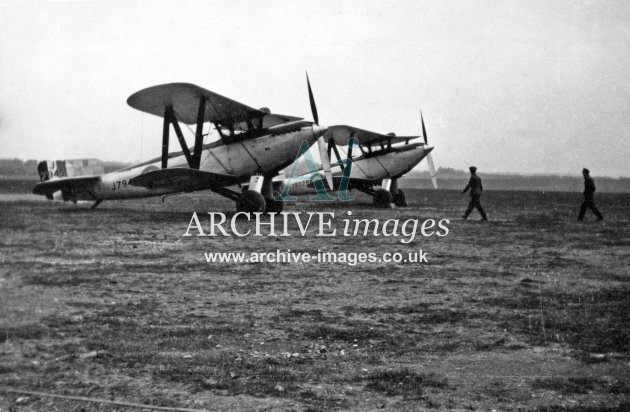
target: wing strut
<point>199,135</point>
<point>350,148</point>
<point>180,135</point>
<point>331,142</point>
<point>193,159</point>
<point>165,132</point>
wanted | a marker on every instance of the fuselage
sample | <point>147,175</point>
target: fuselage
<point>373,167</point>
<point>264,155</point>
<point>388,164</point>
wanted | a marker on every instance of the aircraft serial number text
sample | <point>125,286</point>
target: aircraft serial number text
<point>117,184</point>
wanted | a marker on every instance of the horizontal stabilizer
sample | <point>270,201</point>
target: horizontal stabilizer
<point>182,179</point>
<point>49,187</point>
<point>342,133</point>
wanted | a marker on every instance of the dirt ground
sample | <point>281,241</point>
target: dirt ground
<point>529,311</point>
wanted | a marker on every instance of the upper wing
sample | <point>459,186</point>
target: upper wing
<point>183,179</point>
<point>342,133</point>
<point>270,119</point>
<point>185,99</point>
<point>49,187</point>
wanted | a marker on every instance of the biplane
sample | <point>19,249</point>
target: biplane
<point>375,169</point>
<point>253,145</point>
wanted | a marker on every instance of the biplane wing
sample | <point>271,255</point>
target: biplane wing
<point>396,139</point>
<point>184,99</point>
<point>183,179</point>
<point>191,104</point>
<point>49,187</point>
<point>341,133</point>
<point>270,120</point>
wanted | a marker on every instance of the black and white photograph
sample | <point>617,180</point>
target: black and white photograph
<point>314,205</point>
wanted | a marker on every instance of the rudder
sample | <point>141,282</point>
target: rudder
<point>49,169</point>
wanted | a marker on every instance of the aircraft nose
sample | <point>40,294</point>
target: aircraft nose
<point>319,130</point>
<point>428,149</point>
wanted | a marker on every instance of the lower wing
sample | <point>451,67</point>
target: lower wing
<point>49,187</point>
<point>185,180</point>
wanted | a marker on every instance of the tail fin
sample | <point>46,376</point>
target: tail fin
<point>57,169</point>
<point>49,169</point>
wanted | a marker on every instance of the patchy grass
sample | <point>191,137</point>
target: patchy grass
<point>350,333</point>
<point>568,385</point>
<point>263,377</point>
<point>403,382</point>
<point>589,321</point>
<point>623,407</point>
<point>62,279</point>
<point>29,331</point>
<point>580,385</point>
<point>114,303</point>
<point>419,307</point>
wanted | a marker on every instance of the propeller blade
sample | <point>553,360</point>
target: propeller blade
<point>424,130</point>
<point>312,100</point>
<point>323,154</point>
<point>432,170</point>
<point>283,175</point>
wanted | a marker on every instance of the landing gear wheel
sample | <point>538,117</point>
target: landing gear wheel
<point>251,202</point>
<point>399,199</point>
<point>273,206</point>
<point>383,199</point>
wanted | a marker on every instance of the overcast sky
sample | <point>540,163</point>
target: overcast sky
<point>511,86</point>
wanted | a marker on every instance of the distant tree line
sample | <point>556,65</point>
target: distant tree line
<point>549,183</point>
<point>28,168</point>
<point>18,167</point>
<point>448,178</point>
<point>450,172</point>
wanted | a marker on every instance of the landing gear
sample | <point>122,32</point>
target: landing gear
<point>398,195</point>
<point>251,202</point>
<point>273,206</point>
<point>383,198</point>
<point>69,195</point>
<point>259,197</point>
<point>399,199</point>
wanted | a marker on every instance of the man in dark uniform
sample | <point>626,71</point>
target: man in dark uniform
<point>589,189</point>
<point>475,186</point>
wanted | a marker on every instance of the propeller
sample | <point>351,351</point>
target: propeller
<point>429,156</point>
<point>312,101</point>
<point>321,144</point>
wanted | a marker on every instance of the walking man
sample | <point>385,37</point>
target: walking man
<point>476,188</point>
<point>589,189</point>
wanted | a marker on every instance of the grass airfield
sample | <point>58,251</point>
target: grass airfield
<point>530,310</point>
